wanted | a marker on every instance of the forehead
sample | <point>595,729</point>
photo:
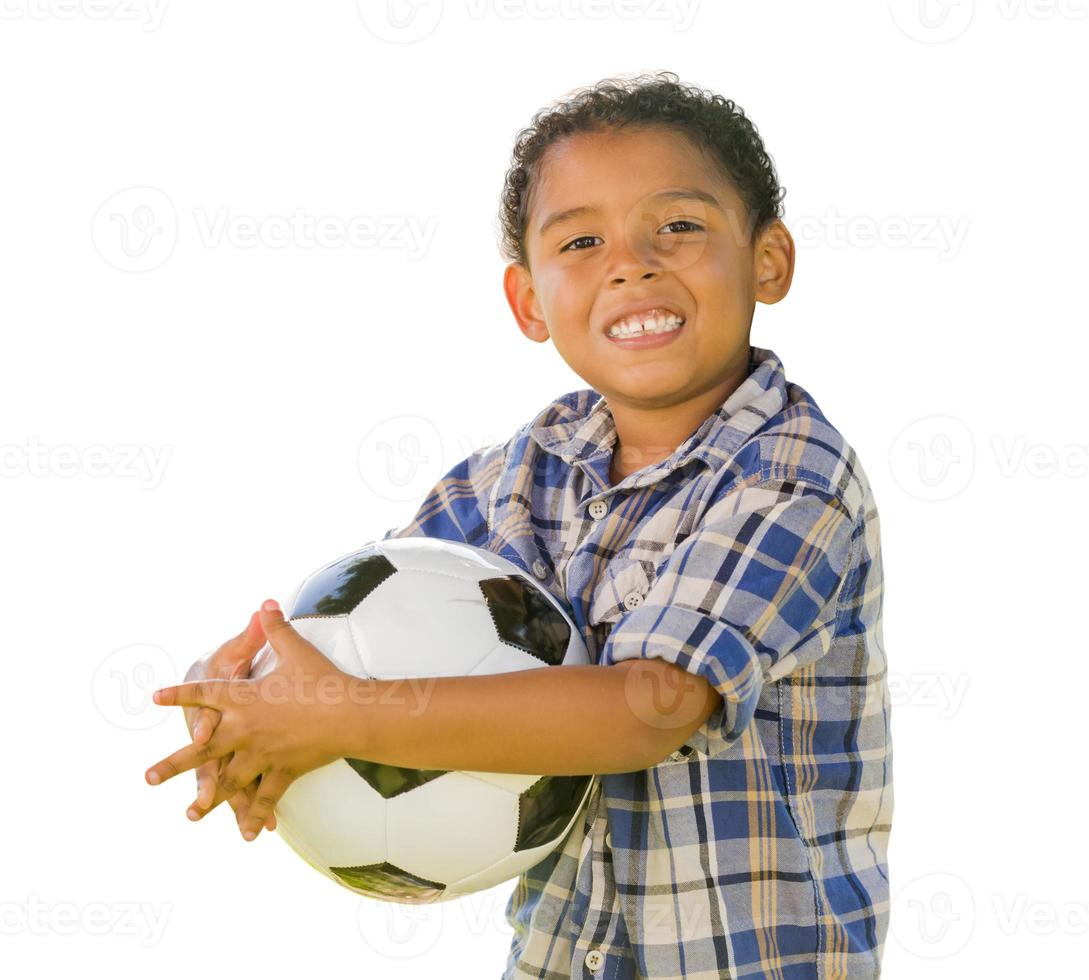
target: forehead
<point>619,168</point>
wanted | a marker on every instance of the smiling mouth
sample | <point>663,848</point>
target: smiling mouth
<point>648,338</point>
<point>651,322</point>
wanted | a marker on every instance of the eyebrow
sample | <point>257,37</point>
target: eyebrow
<point>670,194</point>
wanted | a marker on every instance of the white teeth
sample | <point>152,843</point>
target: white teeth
<point>635,327</point>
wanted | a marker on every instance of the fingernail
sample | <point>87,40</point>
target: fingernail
<point>270,605</point>
<point>192,814</point>
<point>249,834</point>
<point>153,778</point>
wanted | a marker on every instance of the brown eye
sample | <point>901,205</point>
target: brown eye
<point>581,238</point>
<point>685,221</point>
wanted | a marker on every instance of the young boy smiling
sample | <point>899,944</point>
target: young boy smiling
<point>717,543</point>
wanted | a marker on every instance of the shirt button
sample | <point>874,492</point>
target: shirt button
<point>540,569</point>
<point>595,959</point>
<point>609,839</point>
<point>598,509</point>
<point>632,599</point>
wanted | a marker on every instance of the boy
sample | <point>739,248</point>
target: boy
<point>718,545</point>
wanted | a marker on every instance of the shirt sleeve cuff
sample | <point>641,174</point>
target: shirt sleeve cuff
<point>708,648</point>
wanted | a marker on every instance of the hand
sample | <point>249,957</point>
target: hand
<point>276,728</point>
<point>232,659</point>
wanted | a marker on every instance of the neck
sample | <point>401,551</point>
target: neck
<point>648,435</point>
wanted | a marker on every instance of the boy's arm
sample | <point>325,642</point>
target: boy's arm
<point>574,720</point>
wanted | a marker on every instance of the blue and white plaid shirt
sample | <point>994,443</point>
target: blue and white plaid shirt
<point>751,557</point>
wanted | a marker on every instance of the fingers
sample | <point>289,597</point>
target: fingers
<point>204,724</point>
<point>207,778</point>
<point>241,802</point>
<point>270,789</point>
<point>195,693</point>
<point>207,781</point>
<point>189,757</point>
<point>235,776</point>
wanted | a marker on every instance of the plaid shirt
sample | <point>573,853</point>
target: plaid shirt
<point>750,557</point>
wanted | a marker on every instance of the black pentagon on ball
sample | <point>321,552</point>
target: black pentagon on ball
<point>390,881</point>
<point>545,808</point>
<point>525,618</point>
<point>390,781</point>
<point>338,588</point>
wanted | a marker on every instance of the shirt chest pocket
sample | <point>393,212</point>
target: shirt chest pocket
<point>622,587</point>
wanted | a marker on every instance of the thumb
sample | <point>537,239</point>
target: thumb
<point>248,642</point>
<point>273,624</point>
<point>233,658</point>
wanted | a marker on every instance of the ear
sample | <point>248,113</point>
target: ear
<point>522,298</point>
<point>773,263</point>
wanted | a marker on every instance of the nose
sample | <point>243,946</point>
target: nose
<point>634,257</point>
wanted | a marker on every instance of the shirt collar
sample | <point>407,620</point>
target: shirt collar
<point>586,429</point>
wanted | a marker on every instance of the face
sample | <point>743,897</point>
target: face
<point>630,244</point>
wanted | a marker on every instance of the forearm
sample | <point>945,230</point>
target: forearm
<point>550,721</point>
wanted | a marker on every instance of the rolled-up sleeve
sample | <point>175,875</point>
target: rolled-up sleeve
<point>748,597</point>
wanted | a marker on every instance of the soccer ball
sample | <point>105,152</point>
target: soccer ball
<point>417,608</point>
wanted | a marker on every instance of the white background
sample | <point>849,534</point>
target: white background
<point>292,401</point>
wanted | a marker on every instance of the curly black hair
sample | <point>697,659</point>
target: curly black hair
<point>710,121</point>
